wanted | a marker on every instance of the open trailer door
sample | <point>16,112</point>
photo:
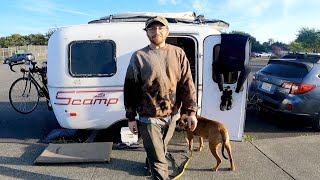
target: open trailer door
<point>225,71</point>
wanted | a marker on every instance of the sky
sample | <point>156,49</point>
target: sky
<point>280,20</point>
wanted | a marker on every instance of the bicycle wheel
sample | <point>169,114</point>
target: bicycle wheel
<point>24,95</point>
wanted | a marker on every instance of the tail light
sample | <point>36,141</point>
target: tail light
<point>73,114</point>
<point>298,88</point>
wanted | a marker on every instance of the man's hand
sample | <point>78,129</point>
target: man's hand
<point>192,122</point>
<point>133,127</point>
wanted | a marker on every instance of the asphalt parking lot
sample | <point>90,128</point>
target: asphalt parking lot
<point>21,135</point>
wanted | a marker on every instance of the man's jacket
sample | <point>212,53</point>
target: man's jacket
<point>159,83</point>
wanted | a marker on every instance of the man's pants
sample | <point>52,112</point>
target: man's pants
<point>155,141</point>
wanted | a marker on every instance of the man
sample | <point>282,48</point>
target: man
<point>158,87</point>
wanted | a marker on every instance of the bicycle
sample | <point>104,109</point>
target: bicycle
<point>25,92</point>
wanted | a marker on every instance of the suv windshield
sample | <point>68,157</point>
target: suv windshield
<point>288,70</point>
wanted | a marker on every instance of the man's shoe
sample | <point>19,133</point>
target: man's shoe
<point>147,167</point>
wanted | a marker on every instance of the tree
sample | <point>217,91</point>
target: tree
<point>283,46</point>
<point>270,41</point>
<point>296,47</point>
<point>309,39</point>
<point>36,39</point>
<point>255,45</point>
<point>266,46</point>
<point>277,50</point>
<point>50,32</point>
<point>2,39</point>
<point>31,39</point>
<point>15,40</point>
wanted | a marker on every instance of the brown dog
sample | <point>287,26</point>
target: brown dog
<point>214,131</point>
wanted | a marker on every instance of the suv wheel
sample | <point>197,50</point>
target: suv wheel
<point>316,123</point>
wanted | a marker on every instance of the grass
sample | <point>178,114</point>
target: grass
<point>64,140</point>
<point>247,138</point>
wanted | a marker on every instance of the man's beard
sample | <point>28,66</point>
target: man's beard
<point>157,40</point>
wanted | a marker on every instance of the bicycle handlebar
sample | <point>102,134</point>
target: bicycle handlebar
<point>11,65</point>
<point>27,62</point>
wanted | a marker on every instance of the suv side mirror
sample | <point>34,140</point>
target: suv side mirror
<point>30,57</point>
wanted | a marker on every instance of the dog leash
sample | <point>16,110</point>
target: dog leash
<point>178,169</point>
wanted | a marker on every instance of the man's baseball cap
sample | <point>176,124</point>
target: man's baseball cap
<point>159,19</point>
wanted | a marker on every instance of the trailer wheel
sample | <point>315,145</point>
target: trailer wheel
<point>112,133</point>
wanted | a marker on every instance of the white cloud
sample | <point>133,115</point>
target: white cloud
<point>201,6</point>
<point>72,11</point>
<point>47,7</point>
<point>265,19</point>
<point>249,7</point>
<point>274,29</point>
<point>43,6</point>
<point>165,2</point>
<point>294,7</point>
<point>287,5</point>
<point>24,30</point>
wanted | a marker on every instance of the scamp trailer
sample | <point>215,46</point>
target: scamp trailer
<point>87,66</point>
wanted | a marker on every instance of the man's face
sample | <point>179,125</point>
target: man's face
<point>157,33</point>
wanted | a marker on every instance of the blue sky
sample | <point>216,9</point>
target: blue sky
<point>263,19</point>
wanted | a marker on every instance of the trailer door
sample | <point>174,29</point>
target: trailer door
<point>234,118</point>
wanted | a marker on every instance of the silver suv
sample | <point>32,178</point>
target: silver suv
<point>289,87</point>
<point>17,58</point>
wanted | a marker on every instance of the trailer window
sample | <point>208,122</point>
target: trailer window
<point>92,58</point>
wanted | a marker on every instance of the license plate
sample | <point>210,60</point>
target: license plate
<point>266,86</point>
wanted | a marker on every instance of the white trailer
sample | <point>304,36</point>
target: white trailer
<point>87,66</point>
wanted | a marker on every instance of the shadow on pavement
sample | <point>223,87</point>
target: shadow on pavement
<point>20,127</point>
<point>268,125</point>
